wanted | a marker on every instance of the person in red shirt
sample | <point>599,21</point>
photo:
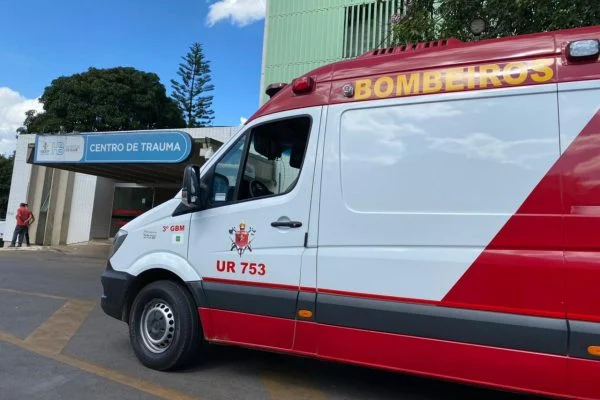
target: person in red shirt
<point>24,219</point>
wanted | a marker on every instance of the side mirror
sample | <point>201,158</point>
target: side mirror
<point>190,192</point>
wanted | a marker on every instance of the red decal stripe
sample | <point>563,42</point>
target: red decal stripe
<point>247,329</point>
<point>251,283</point>
<point>583,379</point>
<point>525,267</point>
<point>507,310</point>
<point>473,364</point>
<point>377,296</point>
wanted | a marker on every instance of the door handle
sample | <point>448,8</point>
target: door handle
<point>286,224</point>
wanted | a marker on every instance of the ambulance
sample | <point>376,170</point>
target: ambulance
<point>431,209</point>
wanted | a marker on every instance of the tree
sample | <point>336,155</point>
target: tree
<point>194,73</point>
<point>113,99</point>
<point>452,18</point>
<point>6,169</point>
<point>416,23</point>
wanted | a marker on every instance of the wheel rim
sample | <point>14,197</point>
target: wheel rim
<point>157,326</point>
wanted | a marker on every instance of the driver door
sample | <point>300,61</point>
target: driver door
<point>248,244</point>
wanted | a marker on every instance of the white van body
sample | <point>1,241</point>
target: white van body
<point>406,237</point>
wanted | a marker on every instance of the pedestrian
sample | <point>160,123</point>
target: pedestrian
<point>23,216</point>
<point>28,222</point>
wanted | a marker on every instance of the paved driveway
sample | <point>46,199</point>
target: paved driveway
<point>55,343</point>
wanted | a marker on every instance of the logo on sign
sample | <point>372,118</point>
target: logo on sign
<point>241,238</point>
<point>59,149</point>
<point>55,148</point>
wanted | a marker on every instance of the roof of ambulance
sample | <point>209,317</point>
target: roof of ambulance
<point>422,56</point>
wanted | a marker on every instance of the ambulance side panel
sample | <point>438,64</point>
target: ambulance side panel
<point>413,191</point>
<point>580,171</point>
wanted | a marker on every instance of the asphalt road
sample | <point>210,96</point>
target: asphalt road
<point>55,343</point>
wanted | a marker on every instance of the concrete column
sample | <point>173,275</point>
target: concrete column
<point>36,187</point>
<point>60,203</point>
<point>102,212</point>
<point>50,220</point>
<point>67,181</point>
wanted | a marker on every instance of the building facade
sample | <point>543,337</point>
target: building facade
<point>303,35</point>
<point>72,207</point>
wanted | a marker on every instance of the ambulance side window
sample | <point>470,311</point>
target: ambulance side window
<point>225,175</point>
<point>271,159</point>
<point>275,158</point>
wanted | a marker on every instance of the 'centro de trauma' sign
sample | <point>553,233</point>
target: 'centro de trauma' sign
<point>157,147</point>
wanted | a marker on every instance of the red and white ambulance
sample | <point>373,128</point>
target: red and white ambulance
<point>432,209</point>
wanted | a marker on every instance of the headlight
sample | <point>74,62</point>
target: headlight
<point>119,239</point>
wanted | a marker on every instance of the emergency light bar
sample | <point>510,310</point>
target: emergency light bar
<point>581,50</point>
<point>303,85</point>
<point>274,88</point>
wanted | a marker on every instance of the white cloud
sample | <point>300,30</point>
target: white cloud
<point>12,114</point>
<point>241,12</point>
<point>243,120</point>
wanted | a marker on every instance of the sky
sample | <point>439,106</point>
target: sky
<point>41,40</point>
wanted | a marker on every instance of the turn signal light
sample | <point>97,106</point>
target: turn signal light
<point>305,313</point>
<point>594,350</point>
<point>303,85</point>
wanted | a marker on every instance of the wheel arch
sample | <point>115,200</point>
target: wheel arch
<point>162,265</point>
<point>144,279</point>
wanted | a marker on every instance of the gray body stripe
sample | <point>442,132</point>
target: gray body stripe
<point>535,334</point>
<point>307,301</point>
<point>583,335</point>
<point>495,329</point>
<point>251,299</point>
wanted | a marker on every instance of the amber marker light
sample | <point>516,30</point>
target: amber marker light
<point>309,314</point>
<point>594,350</point>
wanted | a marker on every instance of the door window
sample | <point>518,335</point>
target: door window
<point>273,159</point>
<point>226,173</point>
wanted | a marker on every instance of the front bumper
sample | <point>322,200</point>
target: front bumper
<point>115,286</point>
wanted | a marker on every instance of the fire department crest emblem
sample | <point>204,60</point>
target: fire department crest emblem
<point>241,238</point>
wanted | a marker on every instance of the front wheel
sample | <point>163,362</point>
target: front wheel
<point>164,327</point>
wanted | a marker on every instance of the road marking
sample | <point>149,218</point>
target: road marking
<point>135,383</point>
<point>36,294</point>
<point>288,387</point>
<point>54,334</point>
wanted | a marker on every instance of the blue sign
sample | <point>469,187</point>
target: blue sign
<point>100,148</point>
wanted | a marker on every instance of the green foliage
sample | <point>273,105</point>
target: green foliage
<point>113,99</point>
<point>452,18</point>
<point>194,73</point>
<point>418,24</point>
<point>6,169</point>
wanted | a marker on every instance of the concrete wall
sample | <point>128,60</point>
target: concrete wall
<point>19,185</point>
<point>82,204</point>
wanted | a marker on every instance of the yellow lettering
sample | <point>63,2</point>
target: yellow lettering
<point>389,87</point>
<point>489,73</point>
<point>407,86</point>
<point>511,68</point>
<point>543,69</point>
<point>452,75</point>
<point>432,81</point>
<point>471,77</point>
<point>363,89</point>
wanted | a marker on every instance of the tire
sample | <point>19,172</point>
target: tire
<point>164,326</point>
